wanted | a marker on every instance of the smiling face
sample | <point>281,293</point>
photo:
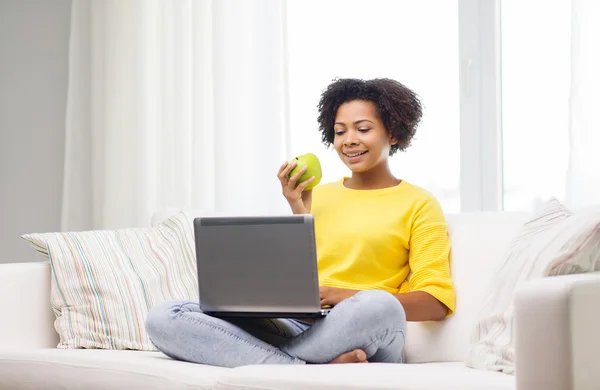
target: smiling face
<point>360,138</point>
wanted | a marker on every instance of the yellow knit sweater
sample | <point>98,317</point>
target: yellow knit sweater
<point>393,239</point>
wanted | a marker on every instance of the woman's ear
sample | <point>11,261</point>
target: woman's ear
<point>393,141</point>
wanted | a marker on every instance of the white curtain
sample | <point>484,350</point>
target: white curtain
<point>583,178</point>
<point>174,104</point>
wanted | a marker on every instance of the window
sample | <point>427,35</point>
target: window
<point>535,101</point>
<point>399,39</point>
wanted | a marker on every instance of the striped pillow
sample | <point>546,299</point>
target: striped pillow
<point>555,242</point>
<point>105,282</point>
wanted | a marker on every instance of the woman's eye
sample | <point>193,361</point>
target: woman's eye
<point>339,132</point>
<point>363,130</point>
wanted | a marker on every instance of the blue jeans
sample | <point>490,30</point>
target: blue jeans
<point>373,321</point>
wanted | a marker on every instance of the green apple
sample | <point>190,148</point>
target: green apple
<point>313,165</point>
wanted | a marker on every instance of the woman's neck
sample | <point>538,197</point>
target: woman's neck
<point>373,179</point>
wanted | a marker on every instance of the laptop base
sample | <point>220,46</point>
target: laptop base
<point>221,314</point>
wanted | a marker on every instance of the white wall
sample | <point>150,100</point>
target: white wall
<point>34,39</point>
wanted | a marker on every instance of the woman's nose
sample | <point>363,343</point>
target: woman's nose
<point>350,139</point>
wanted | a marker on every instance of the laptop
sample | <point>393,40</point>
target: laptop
<point>258,266</point>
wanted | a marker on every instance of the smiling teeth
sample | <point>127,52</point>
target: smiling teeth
<point>355,154</point>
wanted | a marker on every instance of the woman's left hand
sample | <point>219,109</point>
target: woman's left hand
<point>333,295</point>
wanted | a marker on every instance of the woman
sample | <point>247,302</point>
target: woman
<point>372,230</point>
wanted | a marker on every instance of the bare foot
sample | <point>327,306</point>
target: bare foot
<point>356,356</point>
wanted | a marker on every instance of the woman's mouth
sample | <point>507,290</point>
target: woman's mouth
<point>356,156</point>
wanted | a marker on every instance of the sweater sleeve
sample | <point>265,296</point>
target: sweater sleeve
<point>429,254</point>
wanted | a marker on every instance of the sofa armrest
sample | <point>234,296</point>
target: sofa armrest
<point>27,318</point>
<point>557,333</point>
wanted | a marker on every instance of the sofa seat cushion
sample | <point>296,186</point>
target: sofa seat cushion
<point>96,369</point>
<point>425,376</point>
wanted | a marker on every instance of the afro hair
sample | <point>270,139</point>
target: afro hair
<point>397,106</point>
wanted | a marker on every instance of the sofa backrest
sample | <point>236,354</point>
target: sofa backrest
<point>479,242</point>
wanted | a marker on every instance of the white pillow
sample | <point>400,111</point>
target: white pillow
<point>554,242</point>
<point>105,282</point>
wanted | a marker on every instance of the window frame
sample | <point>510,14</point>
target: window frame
<point>480,77</point>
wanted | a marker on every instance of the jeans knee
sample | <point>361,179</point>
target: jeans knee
<point>159,318</point>
<point>380,307</point>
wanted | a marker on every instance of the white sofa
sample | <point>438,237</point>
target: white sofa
<point>557,341</point>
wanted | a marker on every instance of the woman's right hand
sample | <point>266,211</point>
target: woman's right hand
<point>290,188</point>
